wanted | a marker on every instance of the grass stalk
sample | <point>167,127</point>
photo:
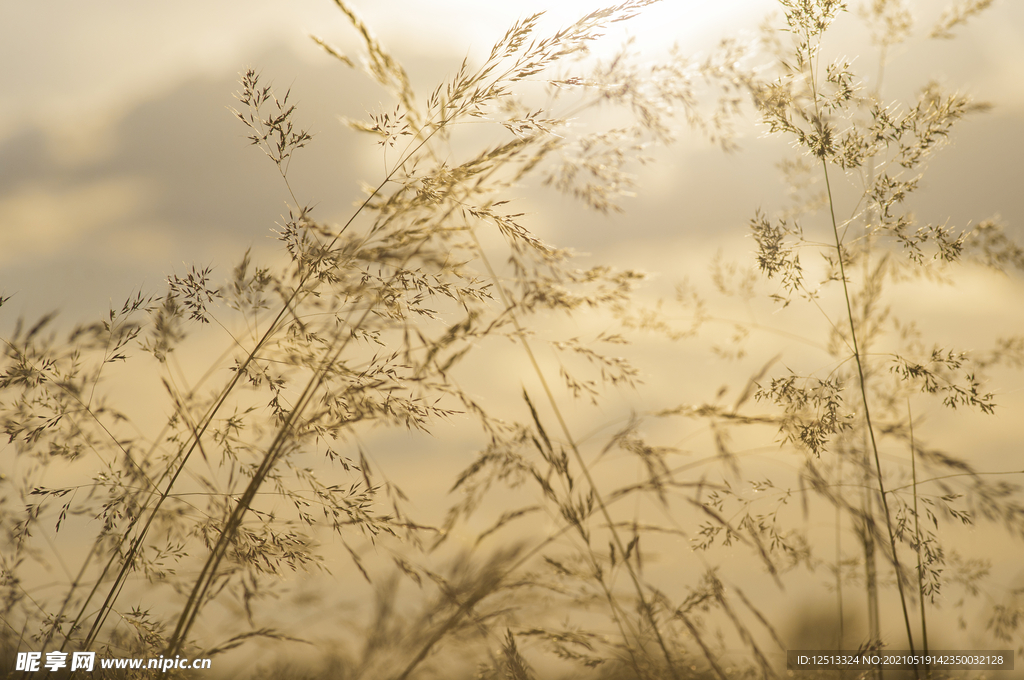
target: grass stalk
<point>839,559</point>
<point>199,431</point>
<point>858,359</point>
<point>867,412</point>
<point>415,251</point>
<point>917,540</point>
<point>598,496</point>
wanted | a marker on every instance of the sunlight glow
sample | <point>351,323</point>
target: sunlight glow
<point>694,25</point>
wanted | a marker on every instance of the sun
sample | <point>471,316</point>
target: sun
<point>692,24</point>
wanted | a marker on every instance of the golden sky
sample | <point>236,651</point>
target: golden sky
<point>112,111</point>
<point>120,163</point>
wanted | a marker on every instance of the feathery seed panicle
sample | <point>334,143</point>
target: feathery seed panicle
<point>374,324</point>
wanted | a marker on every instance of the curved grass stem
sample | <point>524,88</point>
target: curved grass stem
<point>867,411</point>
<point>598,496</point>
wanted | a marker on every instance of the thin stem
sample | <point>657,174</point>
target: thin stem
<point>620,546</point>
<point>185,453</point>
<point>270,459</point>
<point>917,539</point>
<point>867,413</point>
<point>839,559</point>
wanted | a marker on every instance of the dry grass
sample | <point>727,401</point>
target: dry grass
<point>367,324</point>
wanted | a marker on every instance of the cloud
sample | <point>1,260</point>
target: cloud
<point>40,219</point>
